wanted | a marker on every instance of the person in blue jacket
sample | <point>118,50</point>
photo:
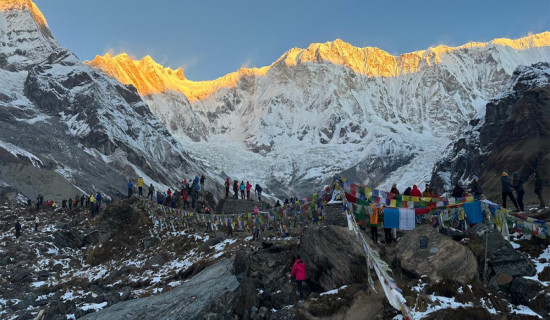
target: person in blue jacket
<point>130,185</point>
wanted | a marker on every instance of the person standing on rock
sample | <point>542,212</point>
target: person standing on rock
<point>242,187</point>
<point>258,191</point>
<point>130,186</point>
<point>36,221</point>
<point>151,192</point>
<point>415,192</point>
<point>248,187</point>
<point>517,184</point>
<point>236,189</point>
<point>185,201</point>
<point>299,274</point>
<point>458,191</point>
<point>507,190</point>
<point>475,187</point>
<point>140,187</point>
<point>227,185</point>
<point>202,182</point>
<point>17,229</point>
<point>394,189</point>
<point>538,189</point>
<point>407,191</point>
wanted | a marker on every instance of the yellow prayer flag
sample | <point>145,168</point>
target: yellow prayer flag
<point>406,198</point>
<point>367,192</point>
<point>393,203</point>
<point>415,199</point>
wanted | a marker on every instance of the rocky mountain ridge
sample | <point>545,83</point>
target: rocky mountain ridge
<point>67,128</point>
<point>379,118</point>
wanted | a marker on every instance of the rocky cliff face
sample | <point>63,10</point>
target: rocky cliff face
<point>65,122</point>
<point>510,133</point>
<point>331,107</point>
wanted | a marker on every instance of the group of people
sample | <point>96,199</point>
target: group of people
<point>242,187</point>
<point>516,184</point>
<point>188,195</point>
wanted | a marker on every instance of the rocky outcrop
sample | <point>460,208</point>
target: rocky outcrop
<point>502,257</point>
<point>332,256</point>
<point>442,258</point>
<point>511,134</point>
<point>213,293</point>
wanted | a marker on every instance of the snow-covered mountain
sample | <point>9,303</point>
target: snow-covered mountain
<point>66,127</point>
<point>331,107</point>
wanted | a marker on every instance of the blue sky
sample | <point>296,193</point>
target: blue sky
<point>211,38</point>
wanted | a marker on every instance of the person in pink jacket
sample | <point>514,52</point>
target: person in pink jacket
<point>248,187</point>
<point>299,273</point>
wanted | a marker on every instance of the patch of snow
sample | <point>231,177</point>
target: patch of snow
<point>521,309</point>
<point>334,291</point>
<point>93,306</point>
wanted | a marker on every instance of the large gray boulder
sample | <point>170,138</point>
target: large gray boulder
<point>442,258</point>
<point>332,256</point>
<point>211,294</point>
<point>502,257</point>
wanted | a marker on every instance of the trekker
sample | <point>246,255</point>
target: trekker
<point>185,202</point>
<point>299,273</point>
<point>130,189</point>
<point>140,187</point>
<point>36,221</point>
<point>517,184</point>
<point>538,189</point>
<point>82,200</point>
<point>458,191</point>
<point>475,187</point>
<point>64,203</point>
<point>151,192</point>
<point>70,202</point>
<point>415,192</point>
<point>38,203</point>
<point>407,191</point>
<point>248,187</point>
<point>394,189</point>
<point>277,204</point>
<point>242,187</point>
<point>236,189</point>
<point>258,190</point>
<point>17,229</point>
<point>507,190</point>
<point>227,185</point>
<point>428,192</point>
<point>229,230</point>
<point>202,182</point>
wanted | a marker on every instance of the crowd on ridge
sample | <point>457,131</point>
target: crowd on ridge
<point>190,195</point>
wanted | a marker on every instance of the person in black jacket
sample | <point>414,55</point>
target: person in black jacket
<point>538,190</point>
<point>475,187</point>
<point>507,190</point>
<point>517,184</point>
<point>17,229</point>
<point>458,191</point>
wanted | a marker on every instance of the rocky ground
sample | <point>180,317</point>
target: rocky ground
<point>118,265</point>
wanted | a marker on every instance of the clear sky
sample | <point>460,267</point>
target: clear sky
<point>211,38</point>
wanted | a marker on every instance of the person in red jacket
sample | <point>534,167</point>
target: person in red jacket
<point>299,273</point>
<point>248,187</point>
<point>415,192</point>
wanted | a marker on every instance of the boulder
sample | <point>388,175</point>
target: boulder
<point>91,238</point>
<point>215,290</point>
<point>523,290</point>
<point>502,257</point>
<point>20,275</point>
<point>68,239</point>
<point>332,256</point>
<point>443,257</point>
